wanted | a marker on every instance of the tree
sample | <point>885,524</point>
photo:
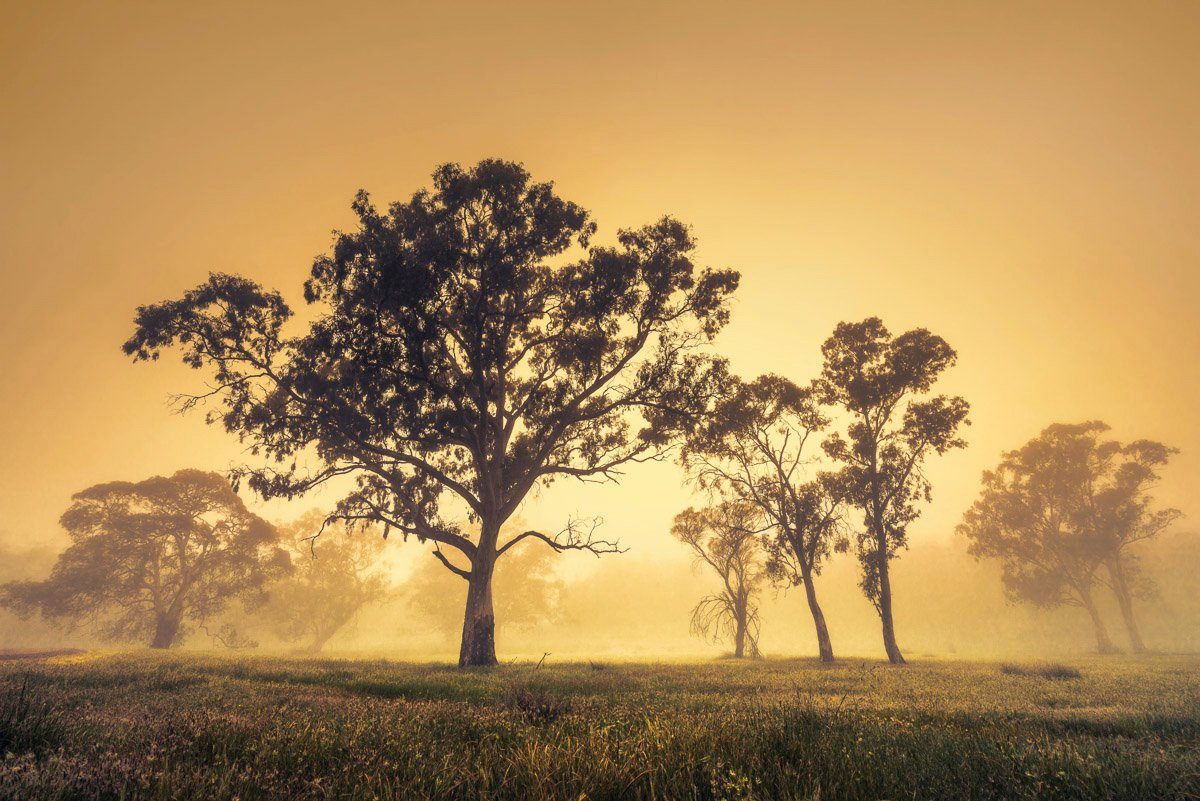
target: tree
<point>877,380</point>
<point>336,575</point>
<point>725,537</point>
<point>1061,507</point>
<point>1123,514</point>
<point>451,367</point>
<point>147,556</point>
<point>751,449</point>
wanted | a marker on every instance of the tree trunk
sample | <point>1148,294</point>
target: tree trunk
<point>1103,643</point>
<point>739,637</point>
<point>165,630</point>
<point>824,647</point>
<point>1120,588</point>
<point>479,622</point>
<point>885,612</point>
<point>318,642</point>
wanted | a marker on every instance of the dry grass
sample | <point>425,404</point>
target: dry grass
<point>178,725</point>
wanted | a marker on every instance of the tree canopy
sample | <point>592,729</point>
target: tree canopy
<point>148,557</point>
<point>466,346</point>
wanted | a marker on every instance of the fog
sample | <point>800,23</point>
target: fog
<point>1021,184</point>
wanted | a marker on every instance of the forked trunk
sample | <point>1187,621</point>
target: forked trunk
<point>824,647</point>
<point>1120,587</point>
<point>885,613</point>
<point>1103,643</point>
<point>165,630</point>
<point>479,621</point>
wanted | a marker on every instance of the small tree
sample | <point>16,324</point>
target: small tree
<point>336,575</point>
<point>725,537</point>
<point>454,363</point>
<point>145,557</point>
<point>751,449</point>
<point>1061,507</point>
<point>876,379</point>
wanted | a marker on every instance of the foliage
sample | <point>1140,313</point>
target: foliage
<point>450,364</point>
<point>146,556</point>
<point>336,575</point>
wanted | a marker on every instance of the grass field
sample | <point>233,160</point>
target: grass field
<point>182,726</point>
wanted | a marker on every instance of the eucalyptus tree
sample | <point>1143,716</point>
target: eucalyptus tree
<point>880,383</point>
<point>465,347</point>
<point>1062,507</point>
<point>336,575</point>
<point>752,448</point>
<point>725,537</point>
<point>148,557</point>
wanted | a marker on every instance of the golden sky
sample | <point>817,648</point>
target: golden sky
<point>1021,178</point>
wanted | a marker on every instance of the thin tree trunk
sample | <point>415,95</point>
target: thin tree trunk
<point>479,621</point>
<point>1120,588</point>
<point>739,637</point>
<point>824,647</point>
<point>885,612</point>
<point>1103,643</point>
<point>165,630</point>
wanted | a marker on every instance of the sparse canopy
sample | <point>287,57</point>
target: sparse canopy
<point>451,366</point>
<point>752,449</point>
<point>337,574</point>
<point>1061,507</point>
<point>147,557</point>
<point>725,537</point>
<point>877,379</point>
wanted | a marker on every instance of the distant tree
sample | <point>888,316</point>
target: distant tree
<point>1124,515</point>
<point>147,556</point>
<point>336,575</point>
<point>876,379</point>
<point>725,537</point>
<point>451,360</point>
<point>1061,507</point>
<point>751,449</point>
<point>528,591</point>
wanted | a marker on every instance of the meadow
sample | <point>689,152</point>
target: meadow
<point>185,725</point>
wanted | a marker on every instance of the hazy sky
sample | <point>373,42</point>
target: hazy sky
<point>1022,179</point>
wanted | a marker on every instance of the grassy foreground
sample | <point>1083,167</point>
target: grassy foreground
<point>185,726</point>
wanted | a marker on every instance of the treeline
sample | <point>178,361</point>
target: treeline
<point>470,345</point>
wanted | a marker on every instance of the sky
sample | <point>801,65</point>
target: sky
<point>1020,178</point>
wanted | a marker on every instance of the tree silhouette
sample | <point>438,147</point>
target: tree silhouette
<point>1059,508</point>
<point>451,367</point>
<point>145,557</point>
<point>751,449</point>
<point>876,379</point>
<point>725,537</point>
<point>335,577</point>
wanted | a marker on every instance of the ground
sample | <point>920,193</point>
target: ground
<point>189,725</point>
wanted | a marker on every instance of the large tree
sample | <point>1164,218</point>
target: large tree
<point>146,557</point>
<point>725,538</point>
<point>459,356</point>
<point>881,383</point>
<point>751,449</point>
<point>337,574</point>
<point>1064,505</point>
